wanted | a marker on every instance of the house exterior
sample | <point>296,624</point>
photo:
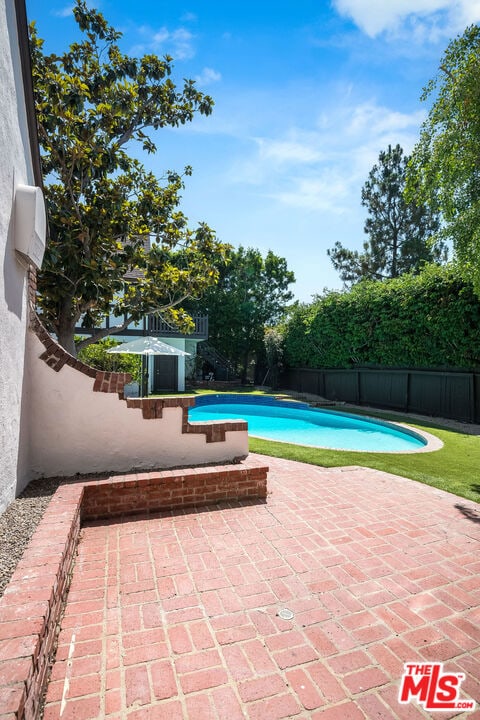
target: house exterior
<point>165,373</point>
<point>19,166</point>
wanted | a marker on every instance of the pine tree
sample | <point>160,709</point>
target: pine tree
<point>398,231</point>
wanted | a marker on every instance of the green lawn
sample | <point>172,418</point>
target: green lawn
<point>242,389</point>
<point>455,468</point>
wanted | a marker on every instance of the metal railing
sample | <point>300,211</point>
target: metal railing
<point>151,325</point>
<point>222,367</point>
<point>158,326</point>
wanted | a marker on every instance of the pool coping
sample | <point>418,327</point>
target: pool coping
<point>32,604</point>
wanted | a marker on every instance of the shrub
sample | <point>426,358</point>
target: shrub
<point>96,355</point>
<point>420,321</point>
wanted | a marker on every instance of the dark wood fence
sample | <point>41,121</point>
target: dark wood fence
<point>448,394</point>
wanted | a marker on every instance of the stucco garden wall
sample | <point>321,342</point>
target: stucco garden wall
<point>57,418</point>
<point>15,168</point>
<point>76,427</point>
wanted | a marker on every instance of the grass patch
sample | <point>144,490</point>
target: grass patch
<point>240,389</point>
<point>236,390</point>
<point>453,468</point>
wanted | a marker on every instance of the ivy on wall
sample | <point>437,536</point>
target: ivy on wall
<point>431,320</point>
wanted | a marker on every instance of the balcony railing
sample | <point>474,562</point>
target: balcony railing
<point>151,325</point>
<point>158,326</point>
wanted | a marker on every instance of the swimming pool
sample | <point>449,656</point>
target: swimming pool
<point>298,423</point>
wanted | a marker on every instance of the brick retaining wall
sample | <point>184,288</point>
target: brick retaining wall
<point>172,489</point>
<point>32,605</point>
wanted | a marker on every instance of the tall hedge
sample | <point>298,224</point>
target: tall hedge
<point>431,320</point>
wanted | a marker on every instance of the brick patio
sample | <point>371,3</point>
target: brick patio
<point>175,614</point>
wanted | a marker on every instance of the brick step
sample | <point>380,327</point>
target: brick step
<point>174,489</point>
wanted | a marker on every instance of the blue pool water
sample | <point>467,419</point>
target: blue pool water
<point>298,423</point>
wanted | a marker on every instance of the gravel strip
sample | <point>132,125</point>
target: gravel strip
<point>18,523</point>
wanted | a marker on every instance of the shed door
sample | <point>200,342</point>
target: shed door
<point>165,373</point>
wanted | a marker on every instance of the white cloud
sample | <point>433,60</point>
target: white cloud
<point>277,157</point>
<point>323,167</point>
<point>380,121</point>
<point>178,43</point>
<point>325,193</point>
<point>471,11</point>
<point>288,151</point>
<point>66,11</point>
<point>208,76</point>
<point>189,17</point>
<point>181,40</point>
<point>426,19</point>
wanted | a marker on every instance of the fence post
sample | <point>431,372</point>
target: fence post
<point>407,392</point>
<point>472,398</point>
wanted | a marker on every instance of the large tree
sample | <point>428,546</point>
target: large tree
<point>398,231</point>
<point>93,102</point>
<point>444,168</point>
<point>252,293</point>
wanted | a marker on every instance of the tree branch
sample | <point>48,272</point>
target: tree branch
<point>102,333</point>
<point>447,72</point>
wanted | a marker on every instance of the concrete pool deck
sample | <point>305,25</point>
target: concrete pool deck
<point>175,614</point>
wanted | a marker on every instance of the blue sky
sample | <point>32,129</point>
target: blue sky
<point>307,94</point>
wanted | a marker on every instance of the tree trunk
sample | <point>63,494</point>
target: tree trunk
<point>395,251</point>
<point>243,378</point>
<point>66,338</point>
<point>65,327</point>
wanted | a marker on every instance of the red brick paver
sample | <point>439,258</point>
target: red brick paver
<point>176,615</point>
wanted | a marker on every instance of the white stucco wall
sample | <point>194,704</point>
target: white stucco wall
<point>15,169</point>
<point>76,430</point>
